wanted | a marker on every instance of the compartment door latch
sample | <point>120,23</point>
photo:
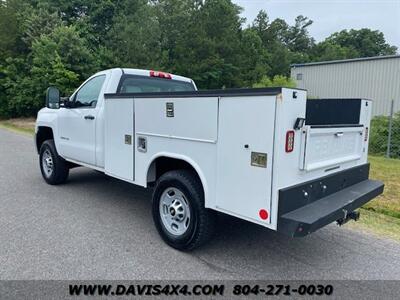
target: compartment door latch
<point>169,106</point>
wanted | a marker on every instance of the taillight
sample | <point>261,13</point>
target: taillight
<point>289,141</point>
<point>366,134</point>
<point>160,74</point>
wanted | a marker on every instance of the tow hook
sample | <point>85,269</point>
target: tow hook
<point>354,215</point>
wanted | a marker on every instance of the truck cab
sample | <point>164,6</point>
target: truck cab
<point>77,127</point>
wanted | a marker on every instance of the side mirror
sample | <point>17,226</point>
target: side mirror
<point>53,98</point>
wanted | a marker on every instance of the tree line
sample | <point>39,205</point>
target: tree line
<point>62,42</point>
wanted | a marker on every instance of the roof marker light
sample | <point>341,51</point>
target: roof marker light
<point>160,74</point>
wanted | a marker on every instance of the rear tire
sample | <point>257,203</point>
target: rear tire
<point>54,168</point>
<point>179,212</point>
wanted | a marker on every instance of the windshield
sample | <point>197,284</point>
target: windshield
<point>143,84</point>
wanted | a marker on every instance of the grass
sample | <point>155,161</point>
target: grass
<point>26,126</point>
<point>378,224</point>
<point>387,170</point>
<point>381,216</point>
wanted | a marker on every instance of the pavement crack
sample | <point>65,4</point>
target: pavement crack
<point>215,267</point>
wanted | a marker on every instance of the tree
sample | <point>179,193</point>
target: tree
<point>276,32</point>
<point>12,72</point>
<point>62,42</point>
<point>92,18</point>
<point>277,81</point>
<point>175,19</point>
<point>297,37</point>
<point>60,58</point>
<point>327,50</point>
<point>357,43</point>
<point>37,22</point>
<point>67,43</point>
<point>261,24</point>
<point>134,40</point>
<point>208,49</point>
<point>11,28</point>
<point>285,44</point>
<point>253,59</point>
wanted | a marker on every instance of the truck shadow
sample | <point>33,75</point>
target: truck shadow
<point>239,249</point>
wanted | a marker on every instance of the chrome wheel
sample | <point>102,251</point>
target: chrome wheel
<point>174,211</point>
<point>47,163</point>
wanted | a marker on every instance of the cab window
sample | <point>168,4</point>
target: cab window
<point>143,84</point>
<point>89,93</point>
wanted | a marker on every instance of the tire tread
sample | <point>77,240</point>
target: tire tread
<point>61,169</point>
<point>205,217</point>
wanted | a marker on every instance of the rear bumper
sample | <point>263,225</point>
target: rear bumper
<point>307,207</point>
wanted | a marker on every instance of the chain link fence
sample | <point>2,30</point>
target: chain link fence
<point>385,135</point>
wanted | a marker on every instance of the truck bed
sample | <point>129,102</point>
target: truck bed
<point>237,142</point>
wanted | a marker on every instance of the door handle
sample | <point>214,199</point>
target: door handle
<point>339,134</point>
<point>89,117</point>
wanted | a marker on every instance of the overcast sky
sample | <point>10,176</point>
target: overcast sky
<point>330,16</point>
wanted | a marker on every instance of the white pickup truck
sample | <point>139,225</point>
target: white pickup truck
<point>268,156</point>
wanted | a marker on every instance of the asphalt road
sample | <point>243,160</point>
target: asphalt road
<point>95,227</point>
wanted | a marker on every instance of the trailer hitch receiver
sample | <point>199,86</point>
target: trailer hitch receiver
<point>354,215</point>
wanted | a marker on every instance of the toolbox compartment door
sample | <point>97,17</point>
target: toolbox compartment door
<point>245,151</point>
<point>119,141</point>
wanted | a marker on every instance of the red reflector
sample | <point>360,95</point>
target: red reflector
<point>289,141</point>
<point>366,134</point>
<point>160,74</point>
<point>263,214</point>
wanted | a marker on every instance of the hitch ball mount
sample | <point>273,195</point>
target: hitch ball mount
<point>354,215</point>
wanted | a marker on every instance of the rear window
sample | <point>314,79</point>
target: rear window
<point>143,84</point>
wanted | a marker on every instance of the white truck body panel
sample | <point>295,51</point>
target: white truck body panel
<point>201,114</point>
<point>327,147</point>
<point>77,135</point>
<point>119,153</point>
<point>219,146</point>
<point>242,189</point>
<point>213,145</point>
<point>82,140</point>
<point>235,141</point>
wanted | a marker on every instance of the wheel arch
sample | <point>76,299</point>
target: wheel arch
<point>164,162</point>
<point>43,133</point>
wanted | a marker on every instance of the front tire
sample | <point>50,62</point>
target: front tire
<point>179,212</point>
<point>53,167</point>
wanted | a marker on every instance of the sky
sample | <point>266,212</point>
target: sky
<point>330,16</point>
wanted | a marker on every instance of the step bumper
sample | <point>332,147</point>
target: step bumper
<point>310,217</point>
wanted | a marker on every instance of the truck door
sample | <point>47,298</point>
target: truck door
<point>77,124</point>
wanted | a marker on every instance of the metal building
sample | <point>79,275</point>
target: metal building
<point>376,78</point>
